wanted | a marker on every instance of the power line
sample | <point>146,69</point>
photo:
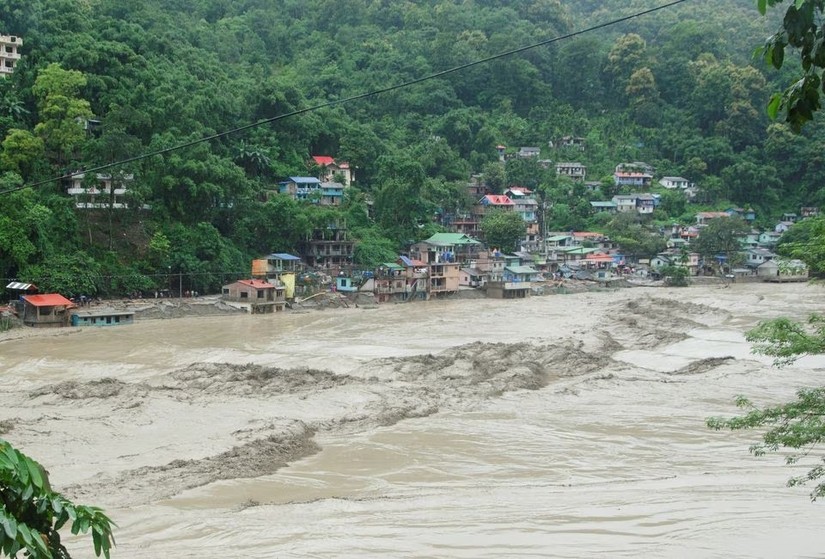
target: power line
<point>355,97</point>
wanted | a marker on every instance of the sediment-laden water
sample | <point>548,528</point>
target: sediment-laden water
<point>559,426</point>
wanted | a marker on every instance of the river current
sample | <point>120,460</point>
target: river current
<point>558,426</point>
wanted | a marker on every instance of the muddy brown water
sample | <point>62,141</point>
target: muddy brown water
<point>559,426</point>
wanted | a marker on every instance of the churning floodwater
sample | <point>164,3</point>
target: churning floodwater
<point>558,426</point>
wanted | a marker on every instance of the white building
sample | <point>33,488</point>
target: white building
<point>9,53</point>
<point>104,192</point>
<point>674,182</point>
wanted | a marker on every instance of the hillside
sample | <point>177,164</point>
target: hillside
<point>674,88</point>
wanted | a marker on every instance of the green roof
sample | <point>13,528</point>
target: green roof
<point>522,269</point>
<point>558,238</point>
<point>392,266</point>
<point>446,239</point>
<point>577,250</point>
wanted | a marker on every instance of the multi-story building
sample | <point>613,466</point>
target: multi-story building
<point>329,169</point>
<point>574,170</point>
<point>9,53</point>
<point>104,192</point>
<point>329,249</point>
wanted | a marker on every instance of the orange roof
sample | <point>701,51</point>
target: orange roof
<point>498,200</point>
<point>257,284</point>
<point>323,160</point>
<point>587,234</point>
<point>48,300</point>
<point>599,257</point>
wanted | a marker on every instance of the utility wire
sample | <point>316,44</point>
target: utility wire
<point>354,97</point>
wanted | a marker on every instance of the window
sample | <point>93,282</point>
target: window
<point>244,295</point>
<point>260,294</point>
<point>9,63</point>
<point>9,48</point>
<point>226,291</point>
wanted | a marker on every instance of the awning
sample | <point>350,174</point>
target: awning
<point>19,286</point>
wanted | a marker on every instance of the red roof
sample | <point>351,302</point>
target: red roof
<point>257,284</point>
<point>323,160</point>
<point>48,300</point>
<point>599,257</point>
<point>498,200</point>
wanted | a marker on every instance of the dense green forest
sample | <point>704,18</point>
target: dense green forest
<point>678,88</point>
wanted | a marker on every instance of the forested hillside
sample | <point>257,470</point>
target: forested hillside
<point>678,89</point>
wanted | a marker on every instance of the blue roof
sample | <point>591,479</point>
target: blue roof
<point>405,260</point>
<point>305,180</point>
<point>282,256</point>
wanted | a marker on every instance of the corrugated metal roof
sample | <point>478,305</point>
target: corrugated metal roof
<point>392,266</point>
<point>305,180</point>
<point>451,239</point>
<point>323,159</point>
<point>19,286</point>
<point>48,300</point>
<point>282,256</point>
<point>521,269</point>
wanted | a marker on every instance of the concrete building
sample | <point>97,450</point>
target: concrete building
<point>9,53</point>
<point>104,192</point>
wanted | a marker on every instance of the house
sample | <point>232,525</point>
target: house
<point>477,187</point>
<point>637,166</point>
<point>299,188</point>
<point>575,142</point>
<point>442,253</point>
<point>662,260</point>
<point>500,150</point>
<point>574,170</point>
<point>498,201</point>
<point>469,225</point>
<point>523,203</point>
<point>515,282</point>
<point>703,218</point>
<point>390,282</point>
<point>600,206</point>
<point>808,211</point>
<point>755,257</point>
<point>345,284</point>
<point>640,203</point>
<point>262,296</point>
<point>529,152</point>
<point>332,194</point>
<point>46,311</point>
<point>599,260</point>
<point>780,270</point>
<point>279,269</point>
<point>790,217</point>
<point>748,214</point>
<point>105,191</point>
<point>471,277</point>
<point>329,169</point>
<point>783,226</point>
<point>416,274</point>
<point>633,179</point>
<point>9,53</point>
<point>102,317</point>
<point>769,238</point>
<point>329,248</point>
<point>674,182</point>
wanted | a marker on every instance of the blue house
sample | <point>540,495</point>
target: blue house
<point>300,188</point>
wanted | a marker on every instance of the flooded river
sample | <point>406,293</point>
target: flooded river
<point>559,426</point>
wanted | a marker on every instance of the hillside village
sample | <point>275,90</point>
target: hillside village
<point>460,260</point>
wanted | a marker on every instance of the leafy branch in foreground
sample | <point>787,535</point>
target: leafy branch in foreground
<point>794,425</point>
<point>787,340</point>
<point>31,514</point>
<point>797,425</point>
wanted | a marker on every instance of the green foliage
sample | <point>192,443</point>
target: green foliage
<point>503,230</point>
<point>675,276</point>
<point>721,236</point>
<point>802,31</point>
<point>806,241</point>
<point>786,340</point>
<point>31,514</point>
<point>796,425</point>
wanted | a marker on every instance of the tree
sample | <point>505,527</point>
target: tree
<point>796,425</point>
<point>806,241</point>
<point>503,230</point>
<point>31,514</point>
<point>721,237</point>
<point>60,110</point>
<point>801,29</point>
